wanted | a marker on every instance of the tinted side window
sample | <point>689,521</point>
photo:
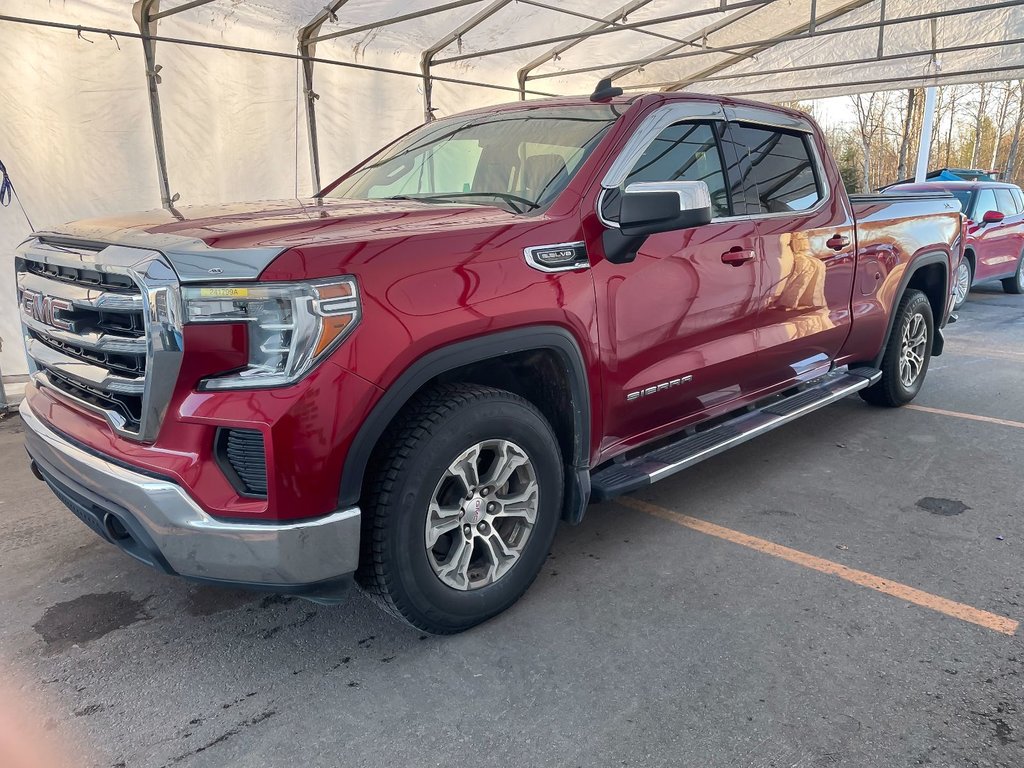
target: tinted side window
<point>682,152</point>
<point>780,170</point>
<point>1019,197</point>
<point>984,202</point>
<point>1007,205</point>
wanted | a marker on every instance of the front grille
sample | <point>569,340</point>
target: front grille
<point>242,457</point>
<point>85,323</point>
<point>89,278</point>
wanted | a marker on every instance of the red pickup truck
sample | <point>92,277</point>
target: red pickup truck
<point>993,234</point>
<point>498,318</point>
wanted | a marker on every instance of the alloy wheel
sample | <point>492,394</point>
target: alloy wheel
<point>912,350</point>
<point>963,283</point>
<point>481,514</point>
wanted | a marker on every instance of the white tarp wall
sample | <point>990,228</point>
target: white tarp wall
<point>76,135</point>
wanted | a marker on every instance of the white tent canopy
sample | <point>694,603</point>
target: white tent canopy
<point>108,106</point>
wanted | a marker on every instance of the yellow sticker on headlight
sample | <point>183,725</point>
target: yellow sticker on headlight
<point>224,293</point>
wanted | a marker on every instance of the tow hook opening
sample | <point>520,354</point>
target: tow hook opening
<point>115,528</point>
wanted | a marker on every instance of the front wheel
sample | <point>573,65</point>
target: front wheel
<point>962,283</point>
<point>462,507</point>
<point>907,354</point>
<point>1015,284</point>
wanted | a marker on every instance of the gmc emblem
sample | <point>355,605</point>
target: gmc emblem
<point>46,309</point>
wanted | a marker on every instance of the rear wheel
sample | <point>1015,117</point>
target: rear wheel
<point>1015,284</point>
<point>462,508</point>
<point>962,283</point>
<point>907,354</point>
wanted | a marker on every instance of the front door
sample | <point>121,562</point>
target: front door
<point>680,321</point>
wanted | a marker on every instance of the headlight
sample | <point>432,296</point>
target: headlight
<point>292,326</point>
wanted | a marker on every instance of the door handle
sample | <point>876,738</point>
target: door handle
<point>737,256</point>
<point>837,242</point>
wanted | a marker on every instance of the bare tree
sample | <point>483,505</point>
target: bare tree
<point>1011,159</point>
<point>954,95</point>
<point>979,117</point>
<point>1004,104</point>
<point>908,123</point>
<point>870,111</point>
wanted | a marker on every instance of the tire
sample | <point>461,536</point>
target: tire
<point>962,282</point>
<point>419,476</point>
<point>897,387</point>
<point>1015,284</point>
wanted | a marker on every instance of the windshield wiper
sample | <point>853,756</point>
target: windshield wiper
<point>512,200</point>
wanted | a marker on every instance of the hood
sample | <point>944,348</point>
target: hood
<point>238,241</point>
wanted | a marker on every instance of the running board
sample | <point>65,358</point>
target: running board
<point>627,476</point>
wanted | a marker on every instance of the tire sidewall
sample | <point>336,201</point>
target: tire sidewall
<point>917,305</point>
<point>418,586</point>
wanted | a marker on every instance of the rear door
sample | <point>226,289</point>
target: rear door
<point>679,322</point>
<point>805,234</point>
<point>996,246</point>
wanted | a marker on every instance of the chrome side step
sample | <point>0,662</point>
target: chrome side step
<point>641,471</point>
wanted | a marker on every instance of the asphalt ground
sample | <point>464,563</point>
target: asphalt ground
<point>844,591</point>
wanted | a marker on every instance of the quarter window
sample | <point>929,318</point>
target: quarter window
<point>1018,197</point>
<point>1007,205</point>
<point>780,170</point>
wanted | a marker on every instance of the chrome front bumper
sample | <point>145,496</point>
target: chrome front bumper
<point>161,525</point>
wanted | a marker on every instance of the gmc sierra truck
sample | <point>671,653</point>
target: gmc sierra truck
<point>502,316</point>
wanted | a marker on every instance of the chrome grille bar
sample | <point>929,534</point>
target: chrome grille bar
<point>79,295</point>
<point>92,376</point>
<point>98,342</point>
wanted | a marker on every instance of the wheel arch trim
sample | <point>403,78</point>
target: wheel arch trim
<point>913,267</point>
<point>457,355</point>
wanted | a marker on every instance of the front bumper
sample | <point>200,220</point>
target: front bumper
<point>158,523</point>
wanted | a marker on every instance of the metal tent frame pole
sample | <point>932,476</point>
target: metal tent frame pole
<point>426,58</point>
<point>619,14</point>
<point>632,26</point>
<point>307,49</point>
<point>766,43</point>
<point>924,147</point>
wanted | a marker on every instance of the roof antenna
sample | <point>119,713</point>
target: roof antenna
<point>605,91</point>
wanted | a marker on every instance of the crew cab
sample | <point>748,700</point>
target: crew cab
<point>502,316</point>
<point>993,237</point>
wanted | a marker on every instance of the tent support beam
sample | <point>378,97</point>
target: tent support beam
<point>428,55</point>
<point>792,37</point>
<point>929,79</point>
<point>846,63</point>
<point>700,34</point>
<point>147,26</point>
<point>307,49</point>
<point>925,144</point>
<point>183,7</point>
<point>396,19</point>
<point>115,33</point>
<point>580,36</point>
<point>620,13</point>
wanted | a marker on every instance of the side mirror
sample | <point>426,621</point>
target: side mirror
<point>650,207</point>
<point>993,217</point>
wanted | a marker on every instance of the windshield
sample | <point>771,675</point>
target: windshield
<point>519,160</point>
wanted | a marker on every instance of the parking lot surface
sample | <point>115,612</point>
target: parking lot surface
<point>650,639</point>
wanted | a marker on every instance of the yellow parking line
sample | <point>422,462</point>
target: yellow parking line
<point>895,589</point>
<point>970,416</point>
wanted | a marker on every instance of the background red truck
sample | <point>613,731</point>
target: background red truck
<point>993,236</point>
<point>499,317</point>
